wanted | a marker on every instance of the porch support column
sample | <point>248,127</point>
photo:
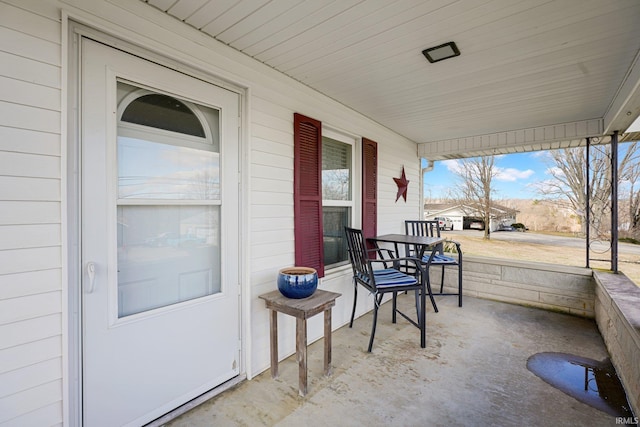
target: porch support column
<point>614,202</point>
<point>587,202</point>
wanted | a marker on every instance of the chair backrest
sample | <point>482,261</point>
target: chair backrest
<point>422,228</point>
<point>426,228</point>
<point>357,252</point>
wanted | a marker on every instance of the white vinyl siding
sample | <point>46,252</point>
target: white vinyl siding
<point>271,213</point>
<point>31,196</point>
<point>30,219</point>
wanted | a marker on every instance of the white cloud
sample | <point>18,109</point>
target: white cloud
<point>502,174</point>
<point>512,174</point>
<point>543,155</point>
<point>452,165</point>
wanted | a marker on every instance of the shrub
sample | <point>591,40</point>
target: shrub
<point>450,247</point>
<point>629,240</point>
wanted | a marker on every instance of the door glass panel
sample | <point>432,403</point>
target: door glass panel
<point>152,170</point>
<point>166,255</point>
<point>168,251</point>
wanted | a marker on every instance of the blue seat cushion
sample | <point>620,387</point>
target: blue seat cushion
<point>439,259</point>
<point>389,277</point>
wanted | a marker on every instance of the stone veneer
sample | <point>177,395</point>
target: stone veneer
<point>549,286</point>
<point>618,318</point>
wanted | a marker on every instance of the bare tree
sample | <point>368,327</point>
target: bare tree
<point>204,183</point>
<point>630,178</point>
<point>634,211</point>
<point>474,187</point>
<point>569,183</point>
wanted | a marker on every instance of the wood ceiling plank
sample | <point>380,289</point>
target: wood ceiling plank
<point>265,48</point>
<point>268,34</point>
<point>183,9</point>
<point>315,37</point>
<point>232,16</point>
<point>256,20</point>
<point>163,5</point>
<point>209,12</point>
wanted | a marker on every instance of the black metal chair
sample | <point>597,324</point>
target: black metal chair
<point>385,280</point>
<point>436,257</point>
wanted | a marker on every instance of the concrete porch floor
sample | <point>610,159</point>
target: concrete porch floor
<point>472,372</point>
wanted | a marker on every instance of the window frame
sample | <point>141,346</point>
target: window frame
<point>355,184</point>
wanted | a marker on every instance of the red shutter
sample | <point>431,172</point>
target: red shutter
<point>307,192</point>
<point>369,188</point>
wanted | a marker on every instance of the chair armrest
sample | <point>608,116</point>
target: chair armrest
<point>379,251</point>
<point>458,248</point>
<point>396,262</point>
<point>390,253</point>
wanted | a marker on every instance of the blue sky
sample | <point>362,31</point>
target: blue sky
<point>517,174</point>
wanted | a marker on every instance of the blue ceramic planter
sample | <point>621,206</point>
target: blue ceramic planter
<point>297,282</point>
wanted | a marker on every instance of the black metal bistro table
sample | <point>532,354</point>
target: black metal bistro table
<point>421,243</point>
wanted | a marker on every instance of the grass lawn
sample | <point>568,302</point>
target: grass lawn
<point>629,264</point>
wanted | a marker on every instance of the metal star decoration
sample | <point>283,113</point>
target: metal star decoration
<point>402,184</point>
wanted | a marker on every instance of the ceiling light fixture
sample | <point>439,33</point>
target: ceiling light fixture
<point>439,53</point>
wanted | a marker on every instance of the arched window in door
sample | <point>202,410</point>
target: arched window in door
<point>162,112</point>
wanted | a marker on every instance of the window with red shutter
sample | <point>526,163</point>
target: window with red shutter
<point>307,192</point>
<point>323,192</point>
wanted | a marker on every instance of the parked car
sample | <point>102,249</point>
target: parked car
<point>476,225</point>
<point>444,223</point>
<point>504,227</point>
<point>518,226</point>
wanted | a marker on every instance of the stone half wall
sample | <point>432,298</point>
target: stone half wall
<point>618,318</point>
<point>552,287</point>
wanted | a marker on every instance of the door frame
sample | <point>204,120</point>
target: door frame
<point>76,29</point>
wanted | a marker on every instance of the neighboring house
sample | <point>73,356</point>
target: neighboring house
<point>463,215</point>
<point>451,211</point>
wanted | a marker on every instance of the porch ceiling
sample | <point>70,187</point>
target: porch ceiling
<point>554,70</point>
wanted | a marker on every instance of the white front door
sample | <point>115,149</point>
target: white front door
<point>159,203</point>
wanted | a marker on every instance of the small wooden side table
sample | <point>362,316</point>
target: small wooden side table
<point>301,309</point>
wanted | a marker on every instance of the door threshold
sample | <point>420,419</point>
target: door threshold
<point>183,409</point>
